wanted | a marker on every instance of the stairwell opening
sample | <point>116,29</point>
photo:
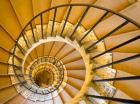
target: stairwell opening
<point>43,78</point>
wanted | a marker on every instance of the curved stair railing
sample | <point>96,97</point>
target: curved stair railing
<point>30,26</point>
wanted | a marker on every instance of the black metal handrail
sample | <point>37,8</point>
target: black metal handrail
<point>127,20</point>
<point>107,35</point>
<point>118,79</point>
<point>71,5</point>
<point>118,61</point>
<point>115,99</point>
<point>118,46</point>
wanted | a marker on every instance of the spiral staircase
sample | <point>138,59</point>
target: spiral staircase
<point>69,51</point>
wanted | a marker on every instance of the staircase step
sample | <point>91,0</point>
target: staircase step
<point>23,10</point>
<point>12,25</point>
<point>4,38</point>
<point>16,100</point>
<point>94,14</point>
<point>77,12</point>
<point>104,88</point>
<point>120,94</point>
<point>92,91</point>
<point>57,100</point>
<point>131,66</point>
<point>87,44</point>
<point>60,11</point>
<point>110,24</point>
<point>106,73</point>
<point>49,102</point>
<point>39,31</point>
<point>40,50</point>
<point>47,48</point>
<point>104,59</point>
<point>75,65</point>
<point>116,40</point>
<point>73,56</point>
<point>56,48</point>
<point>65,96</point>
<point>79,74</point>
<point>77,83</point>
<point>72,91</point>
<point>7,93</point>
<point>66,50</point>
<point>29,102</point>
<point>129,87</point>
<point>39,6</point>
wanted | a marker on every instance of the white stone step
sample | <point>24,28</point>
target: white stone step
<point>91,91</point>
<point>57,100</point>
<point>87,44</point>
<point>48,101</point>
<point>103,59</point>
